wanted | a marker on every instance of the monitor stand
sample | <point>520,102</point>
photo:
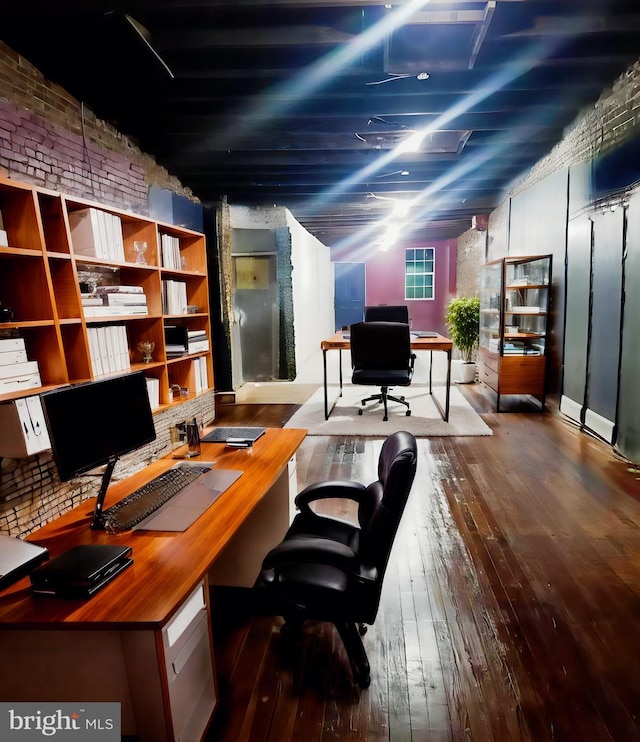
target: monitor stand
<point>97,523</point>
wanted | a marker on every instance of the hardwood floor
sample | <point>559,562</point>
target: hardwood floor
<point>510,609</point>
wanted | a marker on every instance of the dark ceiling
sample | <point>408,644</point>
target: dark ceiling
<point>304,103</point>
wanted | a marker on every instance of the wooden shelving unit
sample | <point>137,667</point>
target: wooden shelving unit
<point>40,276</point>
<point>514,310</point>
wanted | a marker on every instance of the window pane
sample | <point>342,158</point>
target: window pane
<point>419,272</point>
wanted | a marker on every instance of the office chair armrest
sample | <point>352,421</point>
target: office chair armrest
<point>326,490</point>
<point>295,551</point>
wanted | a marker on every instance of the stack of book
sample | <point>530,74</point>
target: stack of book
<point>174,297</point>
<point>170,252</point>
<point>97,234</point>
<point>513,348</point>
<point>176,341</point>
<point>108,349</point>
<point>109,301</point>
<point>197,341</point>
<point>17,372</point>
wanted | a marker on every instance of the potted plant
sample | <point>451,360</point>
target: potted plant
<point>463,321</point>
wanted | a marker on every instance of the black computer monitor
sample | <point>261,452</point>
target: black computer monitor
<point>95,423</point>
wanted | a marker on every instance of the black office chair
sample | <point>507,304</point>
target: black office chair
<point>381,356</point>
<point>387,313</point>
<point>327,569</point>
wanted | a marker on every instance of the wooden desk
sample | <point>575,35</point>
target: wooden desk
<point>339,342</point>
<point>132,641</point>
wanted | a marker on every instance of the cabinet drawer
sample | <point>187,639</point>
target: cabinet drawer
<point>490,360</point>
<point>189,667</point>
<point>522,375</point>
<point>489,377</point>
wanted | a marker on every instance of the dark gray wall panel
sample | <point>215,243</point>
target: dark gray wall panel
<point>538,225</point>
<point>539,217</point>
<point>628,439</point>
<point>602,382</point>
<point>577,315</point>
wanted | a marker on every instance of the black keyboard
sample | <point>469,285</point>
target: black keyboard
<point>135,507</point>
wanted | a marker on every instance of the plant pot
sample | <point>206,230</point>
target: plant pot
<point>463,373</point>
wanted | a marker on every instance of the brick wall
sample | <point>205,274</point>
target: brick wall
<point>49,139</point>
<point>470,254</point>
<point>612,120</point>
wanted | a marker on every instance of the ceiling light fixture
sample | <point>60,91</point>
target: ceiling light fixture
<point>400,76</point>
<point>413,143</point>
<point>400,206</point>
<point>404,173</point>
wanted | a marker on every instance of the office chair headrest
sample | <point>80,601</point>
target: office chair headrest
<point>400,446</point>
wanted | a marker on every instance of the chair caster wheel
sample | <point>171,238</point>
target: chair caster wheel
<point>385,418</point>
<point>362,629</point>
<point>359,412</point>
<point>408,413</point>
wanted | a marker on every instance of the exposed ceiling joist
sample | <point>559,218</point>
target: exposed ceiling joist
<point>311,103</point>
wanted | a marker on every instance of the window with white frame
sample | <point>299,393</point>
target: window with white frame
<point>419,271</point>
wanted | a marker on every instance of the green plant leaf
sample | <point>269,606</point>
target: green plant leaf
<point>463,321</point>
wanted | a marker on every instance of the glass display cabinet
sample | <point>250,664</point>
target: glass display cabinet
<point>514,312</point>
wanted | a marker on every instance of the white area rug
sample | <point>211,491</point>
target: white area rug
<point>425,420</point>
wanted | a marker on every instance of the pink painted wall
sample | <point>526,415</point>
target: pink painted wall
<point>385,282</point>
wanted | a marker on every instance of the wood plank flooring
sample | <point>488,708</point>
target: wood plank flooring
<point>510,610</point>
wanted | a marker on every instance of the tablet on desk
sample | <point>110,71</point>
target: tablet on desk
<point>223,435</point>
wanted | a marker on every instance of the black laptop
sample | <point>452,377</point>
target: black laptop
<point>81,571</point>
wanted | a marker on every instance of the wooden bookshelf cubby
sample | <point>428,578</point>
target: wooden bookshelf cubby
<point>40,277</point>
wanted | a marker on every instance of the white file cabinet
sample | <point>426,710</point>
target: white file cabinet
<point>189,666</point>
<point>164,679</point>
